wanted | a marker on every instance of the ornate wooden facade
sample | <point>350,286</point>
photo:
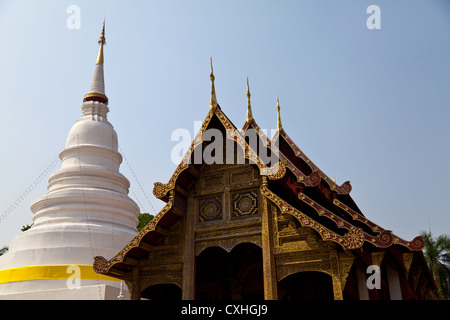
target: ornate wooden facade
<point>228,231</point>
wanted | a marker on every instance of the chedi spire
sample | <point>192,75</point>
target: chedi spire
<point>97,92</point>
<point>86,212</point>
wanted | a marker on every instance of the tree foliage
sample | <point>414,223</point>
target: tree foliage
<point>437,254</point>
<point>144,219</point>
<point>3,250</point>
<point>25,228</point>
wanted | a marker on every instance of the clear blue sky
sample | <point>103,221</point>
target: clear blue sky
<point>369,106</point>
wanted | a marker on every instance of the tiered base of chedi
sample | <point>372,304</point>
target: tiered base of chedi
<point>86,212</point>
<point>263,221</point>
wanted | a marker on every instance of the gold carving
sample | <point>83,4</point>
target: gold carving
<point>354,238</point>
<point>377,258</point>
<point>407,261</point>
<point>245,203</point>
<point>210,209</point>
<point>345,264</point>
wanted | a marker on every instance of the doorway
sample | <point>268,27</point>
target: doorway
<point>310,285</point>
<point>236,275</point>
<point>166,291</point>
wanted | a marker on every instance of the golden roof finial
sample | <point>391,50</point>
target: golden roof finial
<point>279,126</point>
<point>101,42</point>
<point>249,106</point>
<point>213,102</point>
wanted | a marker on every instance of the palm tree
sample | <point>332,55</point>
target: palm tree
<point>437,254</point>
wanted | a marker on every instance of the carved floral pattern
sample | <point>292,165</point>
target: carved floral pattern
<point>353,239</point>
<point>385,237</point>
<point>210,209</point>
<point>245,203</point>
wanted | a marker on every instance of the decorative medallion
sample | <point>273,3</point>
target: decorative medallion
<point>210,209</point>
<point>354,238</point>
<point>245,203</point>
<point>159,190</point>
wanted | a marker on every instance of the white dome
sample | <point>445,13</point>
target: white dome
<point>93,128</point>
<point>86,211</point>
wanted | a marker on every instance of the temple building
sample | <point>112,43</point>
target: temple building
<point>245,217</point>
<point>262,221</point>
<point>86,212</point>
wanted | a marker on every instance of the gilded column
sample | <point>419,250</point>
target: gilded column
<point>135,285</point>
<point>189,253</point>
<point>336,276</point>
<point>269,269</point>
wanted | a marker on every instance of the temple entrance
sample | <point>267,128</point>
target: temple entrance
<point>236,275</point>
<point>166,291</point>
<point>306,286</point>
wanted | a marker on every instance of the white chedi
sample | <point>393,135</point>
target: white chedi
<point>86,213</point>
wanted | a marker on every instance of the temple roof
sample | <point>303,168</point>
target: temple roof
<point>292,182</point>
<point>318,202</point>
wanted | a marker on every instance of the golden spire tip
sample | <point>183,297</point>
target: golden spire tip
<point>213,101</point>
<point>248,89</point>
<point>279,126</point>
<point>249,106</point>
<point>102,35</point>
<point>101,42</point>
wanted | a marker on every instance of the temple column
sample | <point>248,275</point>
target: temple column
<point>337,288</point>
<point>189,253</point>
<point>136,285</point>
<point>395,290</point>
<point>335,276</point>
<point>269,269</point>
<point>362,284</point>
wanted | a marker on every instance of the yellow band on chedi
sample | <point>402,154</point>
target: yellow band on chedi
<point>44,272</point>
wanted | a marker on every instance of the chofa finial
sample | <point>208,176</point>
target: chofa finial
<point>213,101</point>
<point>249,106</point>
<point>279,126</point>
